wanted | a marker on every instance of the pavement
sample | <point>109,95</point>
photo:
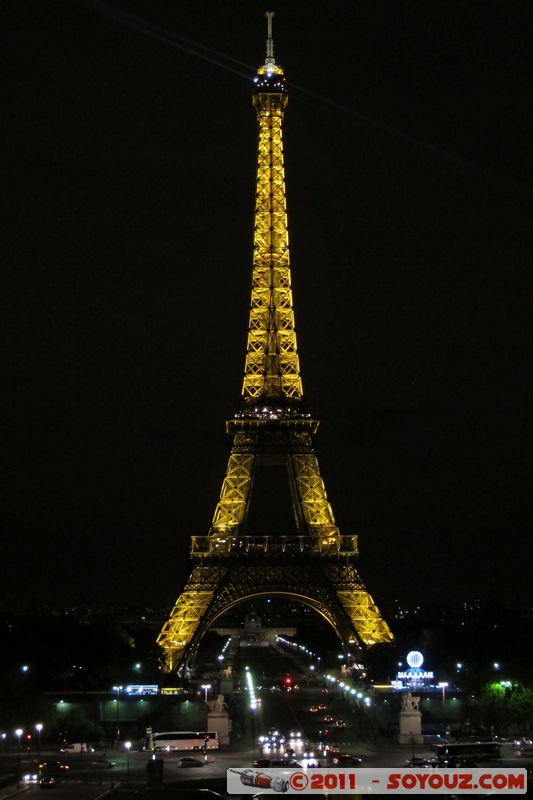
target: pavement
<point>11,790</point>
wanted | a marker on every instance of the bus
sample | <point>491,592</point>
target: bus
<point>174,741</point>
<point>471,753</point>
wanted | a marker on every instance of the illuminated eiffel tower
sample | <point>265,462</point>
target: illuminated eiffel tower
<point>313,563</point>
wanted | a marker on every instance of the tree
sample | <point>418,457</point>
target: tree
<point>498,706</point>
<point>75,726</point>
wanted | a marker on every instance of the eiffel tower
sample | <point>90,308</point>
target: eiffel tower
<point>313,563</point>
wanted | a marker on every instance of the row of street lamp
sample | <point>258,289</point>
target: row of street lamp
<point>18,734</point>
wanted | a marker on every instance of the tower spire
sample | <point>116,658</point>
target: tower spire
<point>269,68</point>
<point>270,64</point>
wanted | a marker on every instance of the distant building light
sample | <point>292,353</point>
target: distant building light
<point>142,688</point>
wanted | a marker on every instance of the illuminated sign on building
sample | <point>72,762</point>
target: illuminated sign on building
<point>146,688</point>
<point>415,659</point>
<point>414,677</point>
<point>412,674</point>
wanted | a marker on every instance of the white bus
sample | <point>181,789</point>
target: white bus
<point>173,741</point>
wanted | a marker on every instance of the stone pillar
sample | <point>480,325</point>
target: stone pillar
<point>219,721</point>
<point>410,727</point>
<point>410,720</point>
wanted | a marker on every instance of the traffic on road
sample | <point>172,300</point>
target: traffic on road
<point>292,723</point>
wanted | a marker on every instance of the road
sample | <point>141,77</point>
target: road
<point>283,708</point>
<point>84,784</point>
<point>180,783</point>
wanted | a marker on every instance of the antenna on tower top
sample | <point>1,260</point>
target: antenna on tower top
<point>269,62</point>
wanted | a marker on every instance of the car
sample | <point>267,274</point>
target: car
<point>313,763</point>
<point>102,763</point>
<point>453,763</point>
<point>294,733</point>
<point>272,739</point>
<point>273,743</point>
<point>340,723</point>
<point>347,760</point>
<point>525,751</point>
<point>78,747</point>
<point>53,766</point>
<point>313,709</point>
<point>47,782</point>
<point>524,740</point>
<point>418,761</point>
<point>328,718</point>
<point>190,761</point>
<point>262,762</point>
<point>322,707</point>
<point>276,738</point>
<point>31,777</point>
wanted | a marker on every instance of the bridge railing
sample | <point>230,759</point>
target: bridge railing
<point>227,545</point>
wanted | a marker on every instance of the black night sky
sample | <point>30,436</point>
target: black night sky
<point>128,196</point>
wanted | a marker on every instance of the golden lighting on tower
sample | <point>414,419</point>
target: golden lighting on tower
<point>313,563</point>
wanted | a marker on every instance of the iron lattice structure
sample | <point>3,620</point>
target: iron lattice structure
<point>315,564</point>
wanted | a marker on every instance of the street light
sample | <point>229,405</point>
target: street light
<point>39,728</point>
<point>118,689</point>
<point>18,732</point>
<point>206,687</point>
<point>127,745</point>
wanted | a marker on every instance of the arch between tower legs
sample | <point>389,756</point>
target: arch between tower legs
<point>307,584</point>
